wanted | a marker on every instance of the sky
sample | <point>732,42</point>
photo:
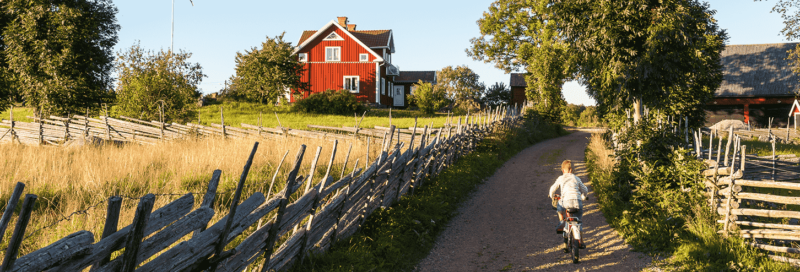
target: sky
<point>429,35</point>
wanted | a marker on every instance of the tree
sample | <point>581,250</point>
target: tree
<point>60,52</point>
<point>497,94</point>
<point>146,77</point>
<point>428,97</point>
<point>460,83</point>
<point>262,75</point>
<point>628,53</point>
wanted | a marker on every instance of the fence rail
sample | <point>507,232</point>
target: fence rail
<point>324,212</point>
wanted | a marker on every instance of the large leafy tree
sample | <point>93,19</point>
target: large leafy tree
<point>497,94</point>
<point>460,83</point>
<point>147,77</point>
<point>263,74</point>
<point>629,53</point>
<point>59,52</point>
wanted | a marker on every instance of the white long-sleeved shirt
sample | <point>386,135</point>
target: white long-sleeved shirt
<point>571,187</point>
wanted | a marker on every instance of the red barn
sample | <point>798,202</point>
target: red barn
<point>518,86</point>
<point>337,56</point>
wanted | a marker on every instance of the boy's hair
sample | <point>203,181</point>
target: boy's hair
<point>566,166</point>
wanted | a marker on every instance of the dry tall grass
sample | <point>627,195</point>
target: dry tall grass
<point>73,179</point>
<point>603,154</point>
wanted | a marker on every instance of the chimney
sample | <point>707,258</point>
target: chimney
<point>351,27</point>
<point>342,21</point>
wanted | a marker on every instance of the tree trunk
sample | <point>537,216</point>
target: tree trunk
<point>637,109</point>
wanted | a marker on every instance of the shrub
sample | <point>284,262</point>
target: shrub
<point>330,102</point>
<point>429,98</point>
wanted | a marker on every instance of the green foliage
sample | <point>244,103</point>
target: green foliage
<point>59,52</point>
<point>461,84</point>
<point>429,98</point>
<point>146,77</point>
<point>589,118</point>
<point>653,197</point>
<point>340,102</point>
<point>263,75</point>
<point>397,238</point>
<point>497,94</point>
<point>664,54</point>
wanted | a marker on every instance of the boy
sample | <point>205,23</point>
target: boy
<point>572,193</point>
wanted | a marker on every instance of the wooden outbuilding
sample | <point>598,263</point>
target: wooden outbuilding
<point>407,82</point>
<point>518,87</point>
<point>758,83</point>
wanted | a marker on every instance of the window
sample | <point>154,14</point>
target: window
<point>383,86</point>
<point>351,83</point>
<point>333,37</point>
<point>363,57</point>
<point>333,53</point>
<point>303,57</point>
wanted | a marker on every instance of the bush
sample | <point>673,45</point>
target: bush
<point>340,102</point>
<point>429,98</point>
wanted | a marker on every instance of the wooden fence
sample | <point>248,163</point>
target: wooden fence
<point>751,197</point>
<point>324,211</point>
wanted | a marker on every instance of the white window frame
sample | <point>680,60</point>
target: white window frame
<point>353,79</point>
<point>363,57</point>
<point>303,57</point>
<point>336,38</point>
<point>338,53</point>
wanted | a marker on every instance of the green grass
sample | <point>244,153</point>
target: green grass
<point>248,113</point>
<point>20,114</point>
<point>397,238</point>
<point>765,148</point>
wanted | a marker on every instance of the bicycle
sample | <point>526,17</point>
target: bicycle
<point>571,232</point>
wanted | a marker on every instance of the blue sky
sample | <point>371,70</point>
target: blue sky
<point>428,35</point>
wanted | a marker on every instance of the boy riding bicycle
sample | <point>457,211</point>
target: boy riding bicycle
<point>573,192</point>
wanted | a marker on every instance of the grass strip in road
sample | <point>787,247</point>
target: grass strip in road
<point>397,238</point>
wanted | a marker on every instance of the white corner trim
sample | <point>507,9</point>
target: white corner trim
<point>334,23</point>
<point>377,82</point>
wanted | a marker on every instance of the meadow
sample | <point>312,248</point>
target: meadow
<point>73,184</point>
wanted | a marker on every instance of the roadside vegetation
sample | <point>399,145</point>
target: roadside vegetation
<point>765,148</point>
<point>397,238</point>
<point>653,196</point>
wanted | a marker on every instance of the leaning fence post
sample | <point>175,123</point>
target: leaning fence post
<point>136,235</point>
<point>19,233</point>
<point>744,155</point>
<point>728,146</point>
<point>221,242</point>
<point>209,197</point>
<point>315,203</point>
<point>273,231</point>
<point>347,158</point>
<point>110,227</point>
<point>12,204</point>
<point>222,119</point>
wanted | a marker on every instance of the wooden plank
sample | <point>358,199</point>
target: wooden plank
<point>134,240</point>
<point>247,252</point>
<point>762,213</point>
<point>19,232</point>
<point>63,250</point>
<point>189,252</point>
<point>764,225</point>
<point>764,184</point>
<point>158,219</point>
<point>10,206</point>
<point>210,197</point>
<point>794,262</point>
<point>110,227</point>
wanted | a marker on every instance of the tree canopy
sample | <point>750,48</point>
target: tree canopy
<point>497,94</point>
<point>145,77</point>
<point>460,83</point>
<point>262,75</point>
<point>58,52</point>
<point>628,53</point>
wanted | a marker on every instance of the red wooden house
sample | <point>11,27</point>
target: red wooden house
<point>337,56</point>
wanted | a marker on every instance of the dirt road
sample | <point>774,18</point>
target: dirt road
<point>509,223</point>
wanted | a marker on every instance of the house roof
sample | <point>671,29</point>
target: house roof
<point>415,76</point>
<point>757,70</point>
<point>370,38</point>
<point>312,36</point>
<point>518,80</point>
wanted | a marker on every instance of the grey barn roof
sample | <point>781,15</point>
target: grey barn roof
<point>518,80</point>
<point>757,70</point>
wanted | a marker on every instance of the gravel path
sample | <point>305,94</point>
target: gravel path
<point>509,224</point>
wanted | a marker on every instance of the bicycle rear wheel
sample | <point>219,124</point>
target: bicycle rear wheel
<point>575,254</point>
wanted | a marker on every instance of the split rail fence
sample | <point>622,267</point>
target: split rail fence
<point>322,213</point>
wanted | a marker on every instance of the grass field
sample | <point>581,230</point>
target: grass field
<point>73,179</point>
<point>20,114</point>
<point>240,112</point>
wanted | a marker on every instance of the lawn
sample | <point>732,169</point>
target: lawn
<point>248,113</point>
<point>20,114</point>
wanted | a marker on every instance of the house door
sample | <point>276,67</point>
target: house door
<point>399,96</point>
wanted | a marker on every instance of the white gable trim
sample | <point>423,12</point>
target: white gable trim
<point>389,41</point>
<point>334,23</point>
<point>794,106</point>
